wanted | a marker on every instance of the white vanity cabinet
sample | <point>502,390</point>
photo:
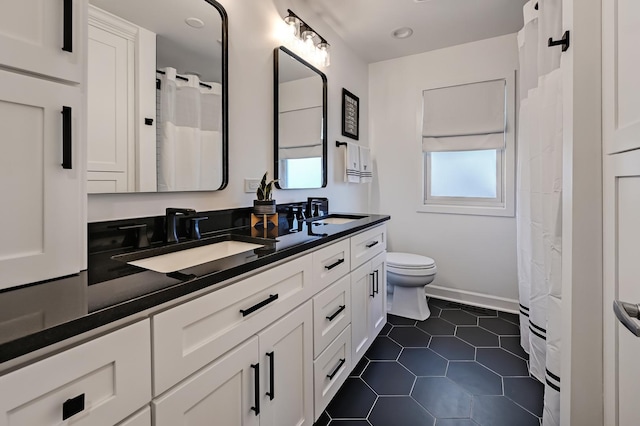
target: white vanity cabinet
<point>43,37</point>
<point>41,154</point>
<point>265,381</point>
<point>98,383</point>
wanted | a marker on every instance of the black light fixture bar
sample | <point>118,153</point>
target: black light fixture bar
<point>306,26</point>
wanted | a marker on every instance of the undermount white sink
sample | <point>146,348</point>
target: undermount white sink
<point>334,221</point>
<point>178,260</point>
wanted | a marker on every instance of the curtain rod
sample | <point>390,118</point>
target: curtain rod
<point>179,77</point>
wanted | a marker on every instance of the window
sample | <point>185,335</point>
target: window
<point>468,149</point>
<point>300,173</point>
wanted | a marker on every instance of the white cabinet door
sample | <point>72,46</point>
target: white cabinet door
<point>368,304</point>
<point>141,418</point>
<point>223,393</point>
<point>362,291</point>
<point>40,223</point>
<point>110,105</point>
<point>621,283</point>
<point>620,70</point>
<point>286,352</point>
<point>378,303</point>
<point>33,34</point>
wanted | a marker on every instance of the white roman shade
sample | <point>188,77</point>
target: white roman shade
<point>300,133</point>
<point>465,118</point>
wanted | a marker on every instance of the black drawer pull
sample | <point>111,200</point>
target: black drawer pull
<point>377,290</point>
<point>67,35</point>
<point>265,302</point>
<point>331,375</point>
<point>271,394</point>
<point>333,265</point>
<point>256,391</point>
<point>67,159</point>
<point>336,313</point>
<point>72,406</point>
<point>372,244</point>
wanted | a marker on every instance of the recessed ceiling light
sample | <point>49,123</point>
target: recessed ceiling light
<point>194,22</point>
<point>403,32</point>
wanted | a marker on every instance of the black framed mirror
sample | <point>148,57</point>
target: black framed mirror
<point>299,122</point>
<point>157,96</point>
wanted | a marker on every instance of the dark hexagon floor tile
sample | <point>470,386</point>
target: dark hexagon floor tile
<point>437,327</point>
<point>409,337</point>
<point>502,362</point>
<point>525,391</point>
<point>423,362</point>
<point>477,336</point>
<point>323,420</point>
<point>442,397</point>
<point>388,378</point>
<point>353,400</point>
<point>475,378</point>
<point>383,348</point>
<point>396,320</point>
<point>512,344</point>
<point>452,348</point>
<point>512,318</point>
<point>349,423</point>
<point>500,411</point>
<point>435,311</point>
<point>396,411</point>
<point>442,304</point>
<point>359,368</point>
<point>459,317</point>
<point>499,326</point>
<point>455,422</point>
<point>386,329</point>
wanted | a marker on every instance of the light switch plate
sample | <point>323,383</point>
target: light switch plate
<point>251,185</point>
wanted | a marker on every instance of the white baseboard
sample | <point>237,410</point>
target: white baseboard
<point>475,299</point>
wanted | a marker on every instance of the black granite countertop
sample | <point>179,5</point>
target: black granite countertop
<point>33,317</point>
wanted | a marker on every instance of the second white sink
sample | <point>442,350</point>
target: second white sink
<point>178,260</point>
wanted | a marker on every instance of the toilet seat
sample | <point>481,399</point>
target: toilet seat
<point>410,264</point>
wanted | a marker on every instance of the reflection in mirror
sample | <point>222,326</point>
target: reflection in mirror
<point>157,96</point>
<point>300,122</point>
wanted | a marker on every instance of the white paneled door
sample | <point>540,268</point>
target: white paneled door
<point>621,131</point>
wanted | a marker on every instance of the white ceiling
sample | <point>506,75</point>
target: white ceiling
<point>366,25</point>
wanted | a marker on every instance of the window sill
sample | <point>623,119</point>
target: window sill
<point>508,211</point>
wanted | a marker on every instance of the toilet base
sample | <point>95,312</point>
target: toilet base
<point>410,302</point>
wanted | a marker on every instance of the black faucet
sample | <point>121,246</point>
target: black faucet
<point>313,204</point>
<point>171,230</point>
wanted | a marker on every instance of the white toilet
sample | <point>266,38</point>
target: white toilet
<point>407,275</point>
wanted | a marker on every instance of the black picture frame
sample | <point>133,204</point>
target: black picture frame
<point>350,115</point>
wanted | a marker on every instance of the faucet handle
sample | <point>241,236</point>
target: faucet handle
<point>194,227</point>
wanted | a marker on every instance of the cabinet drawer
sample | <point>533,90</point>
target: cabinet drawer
<point>112,374</point>
<point>331,263</point>
<point>331,314</point>
<point>141,418</point>
<point>367,244</point>
<point>331,369</point>
<point>190,336</point>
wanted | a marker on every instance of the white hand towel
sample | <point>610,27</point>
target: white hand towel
<point>352,163</point>
<point>366,169</point>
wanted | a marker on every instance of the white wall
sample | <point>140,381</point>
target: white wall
<point>475,254</point>
<point>253,35</point>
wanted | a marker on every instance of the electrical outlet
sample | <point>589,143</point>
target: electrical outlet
<point>251,185</point>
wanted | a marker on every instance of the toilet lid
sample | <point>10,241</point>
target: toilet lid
<point>409,261</point>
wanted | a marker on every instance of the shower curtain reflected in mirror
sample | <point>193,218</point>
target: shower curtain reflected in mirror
<point>189,136</point>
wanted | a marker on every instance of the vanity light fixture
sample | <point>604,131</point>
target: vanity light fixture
<point>310,42</point>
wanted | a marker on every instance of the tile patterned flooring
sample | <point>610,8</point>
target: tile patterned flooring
<point>461,367</point>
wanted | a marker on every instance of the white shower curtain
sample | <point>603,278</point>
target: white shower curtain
<point>539,187</point>
<point>189,143</point>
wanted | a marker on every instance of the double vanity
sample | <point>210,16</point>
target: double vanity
<point>250,330</point>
